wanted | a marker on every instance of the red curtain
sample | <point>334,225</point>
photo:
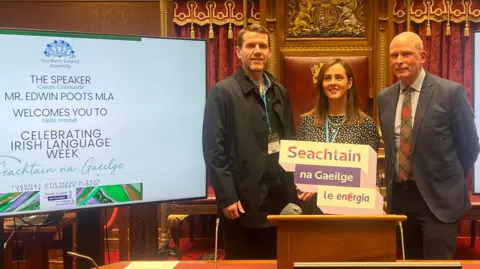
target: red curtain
<point>448,56</point>
<point>222,62</point>
<point>221,55</point>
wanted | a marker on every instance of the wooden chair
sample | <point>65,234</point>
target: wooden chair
<point>299,76</point>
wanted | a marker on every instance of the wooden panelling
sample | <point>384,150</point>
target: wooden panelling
<point>82,1</point>
<point>134,18</point>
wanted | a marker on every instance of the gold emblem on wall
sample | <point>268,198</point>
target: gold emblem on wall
<point>325,18</point>
<point>315,70</point>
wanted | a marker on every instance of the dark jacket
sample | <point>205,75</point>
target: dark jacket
<point>444,145</point>
<point>235,144</point>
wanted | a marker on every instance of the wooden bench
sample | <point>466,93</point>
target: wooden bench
<point>37,241</point>
<point>176,213</point>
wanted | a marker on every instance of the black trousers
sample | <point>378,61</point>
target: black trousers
<point>242,243</point>
<point>246,243</point>
<point>425,237</point>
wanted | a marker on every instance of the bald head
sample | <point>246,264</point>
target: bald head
<point>409,37</point>
<point>407,56</point>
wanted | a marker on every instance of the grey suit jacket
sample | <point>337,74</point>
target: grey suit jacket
<point>445,145</point>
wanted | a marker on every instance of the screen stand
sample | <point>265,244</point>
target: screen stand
<point>143,232</point>
<point>90,237</point>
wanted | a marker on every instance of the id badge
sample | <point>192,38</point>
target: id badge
<point>273,143</point>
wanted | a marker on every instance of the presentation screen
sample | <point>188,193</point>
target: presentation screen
<point>476,105</point>
<point>95,120</point>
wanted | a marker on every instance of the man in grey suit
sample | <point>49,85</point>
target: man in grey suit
<point>431,144</point>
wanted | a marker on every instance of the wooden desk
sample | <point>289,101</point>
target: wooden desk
<point>38,240</point>
<point>250,264</point>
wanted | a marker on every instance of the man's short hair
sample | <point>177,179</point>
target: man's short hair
<point>256,28</point>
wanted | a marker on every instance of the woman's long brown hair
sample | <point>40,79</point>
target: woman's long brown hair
<point>321,106</point>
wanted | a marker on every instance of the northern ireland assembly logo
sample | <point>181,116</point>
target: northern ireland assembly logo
<point>59,54</point>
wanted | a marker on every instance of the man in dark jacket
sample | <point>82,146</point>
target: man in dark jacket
<point>431,144</point>
<point>246,116</point>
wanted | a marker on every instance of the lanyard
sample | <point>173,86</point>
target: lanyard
<point>328,133</point>
<point>264,98</point>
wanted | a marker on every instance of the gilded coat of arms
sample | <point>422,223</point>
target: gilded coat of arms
<point>315,71</point>
<point>326,18</point>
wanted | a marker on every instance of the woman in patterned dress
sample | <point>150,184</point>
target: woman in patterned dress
<point>336,117</point>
